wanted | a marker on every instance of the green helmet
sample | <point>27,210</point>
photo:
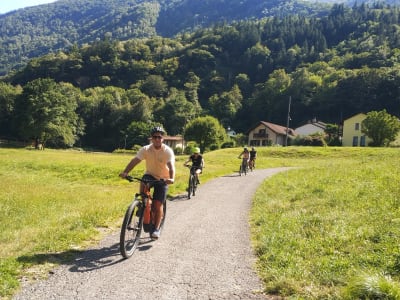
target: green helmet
<point>196,150</point>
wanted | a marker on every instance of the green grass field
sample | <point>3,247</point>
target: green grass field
<point>328,229</point>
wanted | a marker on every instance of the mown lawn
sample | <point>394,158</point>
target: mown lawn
<point>321,231</point>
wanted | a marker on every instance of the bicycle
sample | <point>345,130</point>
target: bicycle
<point>192,185</point>
<point>252,164</point>
<point>132,224</point>
<point>244,166</point>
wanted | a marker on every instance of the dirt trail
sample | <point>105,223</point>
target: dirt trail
<point>204,253</point>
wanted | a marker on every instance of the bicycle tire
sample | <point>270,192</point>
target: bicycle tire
<point>131,229</point>
<point>194,183</point>
<point>244,168</point>
<point>190,186</point>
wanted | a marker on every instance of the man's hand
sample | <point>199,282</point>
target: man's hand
<point>123,174</point>
<point>169,181</point>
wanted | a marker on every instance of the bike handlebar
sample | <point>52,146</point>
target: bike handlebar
<point>131,179</point>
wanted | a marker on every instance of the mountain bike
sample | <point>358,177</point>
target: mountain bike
<point>252,164</point>
<point>192,184</point>
<point>244,166</point>
<point>132,224</point>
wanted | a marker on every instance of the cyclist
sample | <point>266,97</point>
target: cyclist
<point>253,156</point>
<point>160,164</point>
<point>245,155</point>
<point>197,163</point>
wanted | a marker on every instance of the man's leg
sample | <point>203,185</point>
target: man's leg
<point>160,192</point>
<point>158,213</point>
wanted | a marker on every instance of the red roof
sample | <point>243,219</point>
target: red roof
<point>276,128</point>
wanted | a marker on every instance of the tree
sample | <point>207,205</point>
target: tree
<point>137,133</point>
<point>8,94</point>
<point>46,112</point>
<point>381,127</point>
<point>226,105</point>
<point>176,112</point>
<point>205,131</point>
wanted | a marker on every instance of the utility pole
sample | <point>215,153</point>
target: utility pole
<point>288,120</point>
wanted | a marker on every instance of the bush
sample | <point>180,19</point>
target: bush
<point>230,144</point>
<point>178,150</point>
<point>190,147</point>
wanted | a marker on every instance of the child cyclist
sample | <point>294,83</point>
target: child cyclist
<point>197,163</point>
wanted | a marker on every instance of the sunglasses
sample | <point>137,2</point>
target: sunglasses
<point>157,137</point>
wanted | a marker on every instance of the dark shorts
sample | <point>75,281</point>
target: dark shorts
<point>159,189</point>
<point>193,169</point>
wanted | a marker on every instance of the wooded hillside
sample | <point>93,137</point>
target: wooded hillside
<point>332,67</point>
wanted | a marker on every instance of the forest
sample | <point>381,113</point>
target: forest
<point>332,67</point>
<point>49,28</point>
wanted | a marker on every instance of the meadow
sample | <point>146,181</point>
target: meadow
<point>327,229</point>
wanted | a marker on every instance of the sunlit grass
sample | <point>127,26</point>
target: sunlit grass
<point>318,226</point>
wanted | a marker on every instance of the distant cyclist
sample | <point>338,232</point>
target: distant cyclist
<point>245,156</point>
<point>197,163</point>
<point>253,156</point>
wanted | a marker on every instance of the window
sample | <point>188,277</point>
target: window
<point>357,126</point>
<point>254,142</point>
<point>355,141</point>
<point>362,141</point>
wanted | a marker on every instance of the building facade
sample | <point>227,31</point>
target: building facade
<point>352,136</point>
<point>266,134</point>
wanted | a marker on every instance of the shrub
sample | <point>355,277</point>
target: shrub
<point>367,286</point>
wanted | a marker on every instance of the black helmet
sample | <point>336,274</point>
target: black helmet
<point>157,129</point>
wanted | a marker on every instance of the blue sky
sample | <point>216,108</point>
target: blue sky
<point>8,5</point>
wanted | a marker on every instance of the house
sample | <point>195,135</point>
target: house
<point>265,134</point>
<point>230,132</point>
<point>313,126</point>
<point>176,141</point>
<point>352,135</point>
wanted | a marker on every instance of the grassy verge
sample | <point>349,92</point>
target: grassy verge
<point>330,229</point>
<point>326,230</point>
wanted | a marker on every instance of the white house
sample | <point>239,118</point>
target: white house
<point>313,126</point>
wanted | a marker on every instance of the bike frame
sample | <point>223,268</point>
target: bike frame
<point>192,185</point>
<point>132,224</point>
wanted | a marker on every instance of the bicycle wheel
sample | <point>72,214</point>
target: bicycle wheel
<point>131,229</point>
<point>190,186</point>
<point>240,170</point>
<point>194,184</point>
<point>244,168</point>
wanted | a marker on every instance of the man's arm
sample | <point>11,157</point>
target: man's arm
<point>130,166</point>
<point>171,168</point>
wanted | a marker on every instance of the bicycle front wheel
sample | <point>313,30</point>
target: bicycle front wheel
<point>131,229</point>
<point>190,186</point>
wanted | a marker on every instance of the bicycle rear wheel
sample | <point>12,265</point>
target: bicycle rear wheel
<point>131,229</point>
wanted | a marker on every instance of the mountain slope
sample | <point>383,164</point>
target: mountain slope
<point>35,31</point>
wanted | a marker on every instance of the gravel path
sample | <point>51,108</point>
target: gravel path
<point>204,253</point>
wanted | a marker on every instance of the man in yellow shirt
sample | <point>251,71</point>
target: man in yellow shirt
<point>160,164</point>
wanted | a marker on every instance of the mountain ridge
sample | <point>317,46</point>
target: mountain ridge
<point>35,31</point>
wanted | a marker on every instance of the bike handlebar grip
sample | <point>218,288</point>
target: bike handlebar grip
<point>129,178</point>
